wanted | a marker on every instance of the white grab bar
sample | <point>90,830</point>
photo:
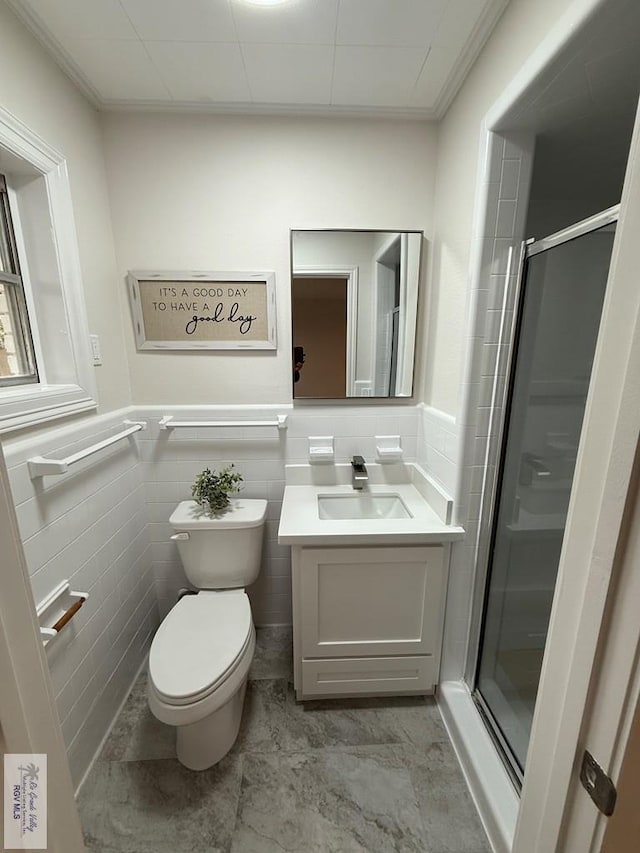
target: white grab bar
<point>39,466</point>
<point>167,422</point>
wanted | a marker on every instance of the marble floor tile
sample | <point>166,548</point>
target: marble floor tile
<point>332,776</point>
<point>274,653</point>
<point>264,717</point>
<point>273,721</point>
<point>160,807</point>
<point>451,823</point>
<point>450,819</point>
<point>327,802</point>
<point>350,722</point>
<point>137,735</point>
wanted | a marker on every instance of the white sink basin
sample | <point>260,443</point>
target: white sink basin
<point>330,514</point>
<point>362,506</point>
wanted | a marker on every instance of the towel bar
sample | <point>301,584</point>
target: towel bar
<point>39,466</point>
<point>167,422</point>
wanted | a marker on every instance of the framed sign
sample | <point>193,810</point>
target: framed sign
<point>203,310</point>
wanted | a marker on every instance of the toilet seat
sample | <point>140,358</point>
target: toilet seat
<point>199,645</point>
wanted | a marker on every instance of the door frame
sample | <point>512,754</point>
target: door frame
<point>383,275</point>
<point>615,688</point>
<point>351,275</point>
<point>28,715</point>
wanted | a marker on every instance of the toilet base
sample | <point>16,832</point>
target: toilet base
<point>201,745</point>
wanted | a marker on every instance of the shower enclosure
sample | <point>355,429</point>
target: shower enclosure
<point>556,320</point>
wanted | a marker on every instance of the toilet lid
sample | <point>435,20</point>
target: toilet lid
<point>198,644</point>
<point>240,513</point>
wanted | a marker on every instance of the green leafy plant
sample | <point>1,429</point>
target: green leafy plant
<point>211,489</point>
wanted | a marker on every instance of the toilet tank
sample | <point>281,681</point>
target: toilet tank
<point>221,551</point>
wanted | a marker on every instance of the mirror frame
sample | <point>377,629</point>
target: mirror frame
<point>353,273</point>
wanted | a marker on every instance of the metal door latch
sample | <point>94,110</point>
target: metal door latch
<point>597,784</point>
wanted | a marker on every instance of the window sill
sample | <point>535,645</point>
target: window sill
<point>31,405</point>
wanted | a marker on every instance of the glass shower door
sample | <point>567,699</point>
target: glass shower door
<point>560,304</point>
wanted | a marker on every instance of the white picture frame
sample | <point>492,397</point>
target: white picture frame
<point>202,310</point>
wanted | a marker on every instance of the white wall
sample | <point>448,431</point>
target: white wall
<point>222,192</point>
<point>437,446</point>
<point>520,30</point>
<point>35,90</point>
<point>89,526</point>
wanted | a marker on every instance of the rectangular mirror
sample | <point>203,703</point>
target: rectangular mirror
<point>354,303</point>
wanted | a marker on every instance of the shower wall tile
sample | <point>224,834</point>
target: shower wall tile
<point>510,177</point>
<point>89,526</point>
<point>508,169</point>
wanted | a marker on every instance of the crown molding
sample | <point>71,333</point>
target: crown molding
<point>288,110</point>
<point>471,51</point>
<point>55,50</point>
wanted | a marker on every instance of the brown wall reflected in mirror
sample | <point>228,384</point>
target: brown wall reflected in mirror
<point>320,329</point>
<point>354,297</point>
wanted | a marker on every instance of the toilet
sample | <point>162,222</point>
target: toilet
<point>200,656</point>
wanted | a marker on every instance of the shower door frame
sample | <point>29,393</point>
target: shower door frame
<point>509,338</point>
<point>602,496</point>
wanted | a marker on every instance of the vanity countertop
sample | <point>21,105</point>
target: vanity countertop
<point>300,523</point>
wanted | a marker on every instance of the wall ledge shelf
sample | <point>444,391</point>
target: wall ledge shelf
<point>388,448</point>
<point>321,448</point>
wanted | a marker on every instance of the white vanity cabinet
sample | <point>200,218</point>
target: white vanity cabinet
<point>367,620</point>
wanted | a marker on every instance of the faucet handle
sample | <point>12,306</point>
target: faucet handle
<point>358,462</point>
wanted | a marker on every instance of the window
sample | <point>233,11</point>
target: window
<point>46,369</point>
<point>17,362</point>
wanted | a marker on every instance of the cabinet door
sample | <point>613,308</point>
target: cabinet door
<point>371,601</point>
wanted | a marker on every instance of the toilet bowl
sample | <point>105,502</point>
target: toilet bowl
<point>201,654</point>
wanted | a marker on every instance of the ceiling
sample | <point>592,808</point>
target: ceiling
<point>374,57</point>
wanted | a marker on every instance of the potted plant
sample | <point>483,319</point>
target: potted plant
<point>211,489</point>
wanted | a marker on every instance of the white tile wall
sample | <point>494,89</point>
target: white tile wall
<point>89,526</point>
<point>171,460</point>
<point>437,451</point>
<point>104,526</point>
<point>508,170</point>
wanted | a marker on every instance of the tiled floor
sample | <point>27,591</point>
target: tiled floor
<point>348,776</point>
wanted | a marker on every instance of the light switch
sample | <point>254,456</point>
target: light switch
<point>95,350</point>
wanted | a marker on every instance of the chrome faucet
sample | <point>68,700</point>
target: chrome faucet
<point>359,475</point>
